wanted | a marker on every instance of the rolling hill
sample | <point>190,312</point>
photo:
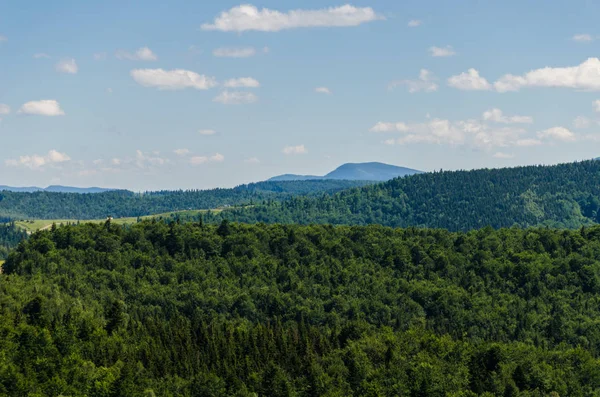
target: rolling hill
<point>565,195</point>
<point>356,172</point>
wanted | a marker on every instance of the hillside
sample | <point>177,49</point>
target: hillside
<point>565,195</point>
<point>122,203</point>
<point>356,171</point>
<point>270,310</point>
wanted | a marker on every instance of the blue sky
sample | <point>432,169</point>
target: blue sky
<point>198,94</point>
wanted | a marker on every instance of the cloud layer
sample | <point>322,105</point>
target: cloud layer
<point>177,79</point>
<point>37,162</point>
<point>248,17</point>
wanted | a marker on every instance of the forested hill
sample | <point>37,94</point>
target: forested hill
<point>269,310</point>
<point>565,195</point>
<point>52,205</point>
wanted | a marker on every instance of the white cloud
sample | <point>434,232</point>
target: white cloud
<point>146,160</point>
<point>36,162</point>
<point>248,17</point>
<point>181,152</point>
<point>40,55</point>
<point>242,82</point>
<point>323,90</point>
<point>100,56</point>
<point>207,132</point>
<point>439,131</point>
<point>142,54</point>
<point>582,122</point>
<point>235,98</point>
<point>596,105</point>
<point>582,38</point>
<point>389,127</point>
<point>414,23</point>
<point>198,160</point>
<point>252,160</point>
<point>501,155</point>
<point>469,81</point>
<point>585,76</point>
<point>67,66</point>
<point>300,149</point>
<point>244,52</point>
<point>497,116</point>
<point>177,79</point>
<point>557,133</point>
<point>4,109</point>
<point>45,107</point>
<point>425,82</point>
<point>447,51</point>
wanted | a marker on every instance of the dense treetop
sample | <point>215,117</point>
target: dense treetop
<point>246,310</point>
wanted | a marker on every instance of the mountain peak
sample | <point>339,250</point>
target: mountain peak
<point>370,171</point>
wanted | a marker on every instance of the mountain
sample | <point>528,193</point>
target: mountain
<point>356,172</point>
<point>55,189</point>
<point>564,195</point>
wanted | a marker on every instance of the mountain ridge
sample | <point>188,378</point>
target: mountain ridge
<point>368,171</point>
<point>55,189</point>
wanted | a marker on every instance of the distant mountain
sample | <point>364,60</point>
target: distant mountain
<point>356,172</point>
<point>55,189</point>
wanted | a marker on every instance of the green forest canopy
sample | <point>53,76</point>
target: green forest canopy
<point>246,310</point>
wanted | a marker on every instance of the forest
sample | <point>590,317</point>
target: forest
<point>123,203</point>
<point>10,236</point>
<point>193,309</point>
<point>560,196</point>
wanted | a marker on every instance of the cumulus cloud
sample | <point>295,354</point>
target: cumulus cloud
<point>323,90</point>
<point>583,38</point>
<point>425,82</point>
<point>501,155</point>
<point>235,98</point>
<point>37,162</point>
<point>67,66</point>
<point>244,52</point>
<point>142,54</point>
<point>447,51</point>
<point>585,76</point>
<point>177,79</point>
<point>497,116</point>
<point>216,158</point>
<point>300,149</point>
<point>4,109</point>
<point>147,160</point>
<point>557,133</point>
<point>45,107</point>
<point>248,17</point>
<point>596,105</point>
<point>582,122</point>
<point>414,23</point>
<point>207,132</point>
<point>469,81</point>
<point>389,127</point>
<point>181,152</point>
<point>440,131</point>
<point>242,82</point>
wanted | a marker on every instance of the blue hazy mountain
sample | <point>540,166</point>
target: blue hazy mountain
<point>356,172</point>
<point>55,189</point>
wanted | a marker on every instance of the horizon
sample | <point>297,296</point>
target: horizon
<point>199,96</point>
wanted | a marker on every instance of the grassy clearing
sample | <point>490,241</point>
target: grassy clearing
<point>41,224</point>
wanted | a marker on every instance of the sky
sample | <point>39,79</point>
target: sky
<point>201,94</point>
